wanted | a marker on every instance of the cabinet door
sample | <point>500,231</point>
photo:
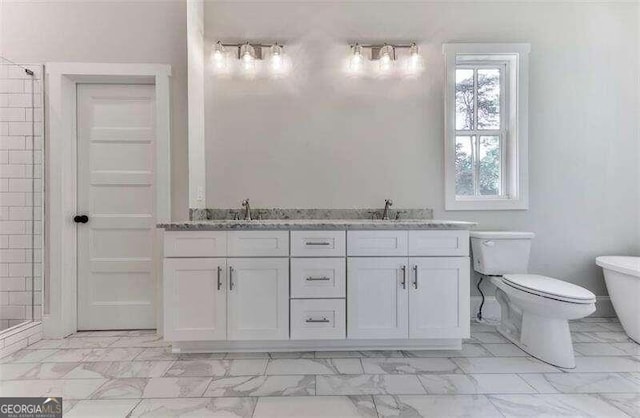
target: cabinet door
<point>439,297</point>
<point>377,300</point>
<point>377,243</point>
<point>258,243</point>
<point>258,298</point>
<point>195,302</point>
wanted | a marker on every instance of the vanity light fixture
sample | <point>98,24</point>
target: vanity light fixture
<point>386,55</point>
<point>219,57</point>
<point>356,62</point>
<point>277,64</point>
<point>414,63</point>
<point>249,56</point>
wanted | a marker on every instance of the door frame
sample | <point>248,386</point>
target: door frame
<point>60,315</point>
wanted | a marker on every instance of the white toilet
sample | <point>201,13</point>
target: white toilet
<point>535,309</point>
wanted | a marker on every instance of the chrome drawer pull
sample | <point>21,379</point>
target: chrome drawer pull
<point>415,278</point>
<point>230,278</point>
<point>219,280</point>
<point>316,279</point>
<point>311,320</point>
<point>317,243</point>
<point>403,283</point>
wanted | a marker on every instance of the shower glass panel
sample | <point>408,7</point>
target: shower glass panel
<point>21,193</point>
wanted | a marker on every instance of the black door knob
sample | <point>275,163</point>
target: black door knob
<point>81,219</point>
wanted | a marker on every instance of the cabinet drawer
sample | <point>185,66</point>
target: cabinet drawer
<point>318,319</point>
<point>195,244</point>
<point>318,243</point>
<point>377,243</point>
<point>318,277</point>
<point>258,244</point>
<point>439,243</point>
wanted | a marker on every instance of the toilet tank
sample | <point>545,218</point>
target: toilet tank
<point>500,252</point>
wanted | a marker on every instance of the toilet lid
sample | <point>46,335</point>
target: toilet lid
<point>548,287</point>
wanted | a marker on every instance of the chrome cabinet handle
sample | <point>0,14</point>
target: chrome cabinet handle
<point>317,243</point>
<point>311,320</point>
<point>230,278</point>
<point>415,277</point>
<point>404,277</point>
<point>316,279</point>
<point>219,277</point>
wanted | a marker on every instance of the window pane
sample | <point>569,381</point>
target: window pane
<point>464,99</point>
<point>464,166</point>
<point>489,166</point>
<point>489,98</point>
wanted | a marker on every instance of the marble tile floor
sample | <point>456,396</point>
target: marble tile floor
<point>134,374</point>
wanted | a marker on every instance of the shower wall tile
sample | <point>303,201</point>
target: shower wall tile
<point>21,127</point>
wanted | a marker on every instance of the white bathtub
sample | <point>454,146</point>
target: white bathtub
<point>622,276</point>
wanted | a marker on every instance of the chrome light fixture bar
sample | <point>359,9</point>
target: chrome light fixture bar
<point>249,53</point>
<point>385,54</point>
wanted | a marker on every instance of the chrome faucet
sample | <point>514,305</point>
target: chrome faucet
<point>247,209</point>
<point>387,204</point>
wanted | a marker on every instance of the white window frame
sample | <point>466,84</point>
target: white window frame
<point>515,106</point>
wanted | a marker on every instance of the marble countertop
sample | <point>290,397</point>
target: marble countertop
<point>314,224</point>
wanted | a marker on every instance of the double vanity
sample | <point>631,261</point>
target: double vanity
<point>280,285</point>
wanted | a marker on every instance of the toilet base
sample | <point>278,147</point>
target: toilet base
<point>539,325</point>
<point>546,339</point>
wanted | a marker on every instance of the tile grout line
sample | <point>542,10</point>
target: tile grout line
<point>432,395</point>
<point>623,375</point>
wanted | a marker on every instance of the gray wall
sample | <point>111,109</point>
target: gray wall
<point>109,31</point>
<point>319,138</point>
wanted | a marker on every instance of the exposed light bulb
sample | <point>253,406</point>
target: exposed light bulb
<point>277,60</point>
<point>247,62</point>
<point>219,57</point>
<point>356,61</point>
<point>386,58</point>
<point>248,57</point>
<point>414,63</point>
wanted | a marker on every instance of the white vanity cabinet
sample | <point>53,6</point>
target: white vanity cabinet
<point>318,281</point>
<point>195,299</point>
<point>312,290</point>
<point>408,297</point>
<point>216,297</point>
<point>258,299</point>
<point>438,290</point>
<point>377,293</point>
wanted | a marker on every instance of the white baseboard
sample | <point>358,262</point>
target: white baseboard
<point>315,345</point>
<point>491,308</point>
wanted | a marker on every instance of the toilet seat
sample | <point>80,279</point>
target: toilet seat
<point>550,288</point>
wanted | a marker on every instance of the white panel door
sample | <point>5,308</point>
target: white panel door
<point>116,149</point>
<point>258,298</point>
<point>377,297</point>
<point>439,297</point>
<point>195,299</point>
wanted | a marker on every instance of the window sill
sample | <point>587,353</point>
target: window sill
<point>486,204</point>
